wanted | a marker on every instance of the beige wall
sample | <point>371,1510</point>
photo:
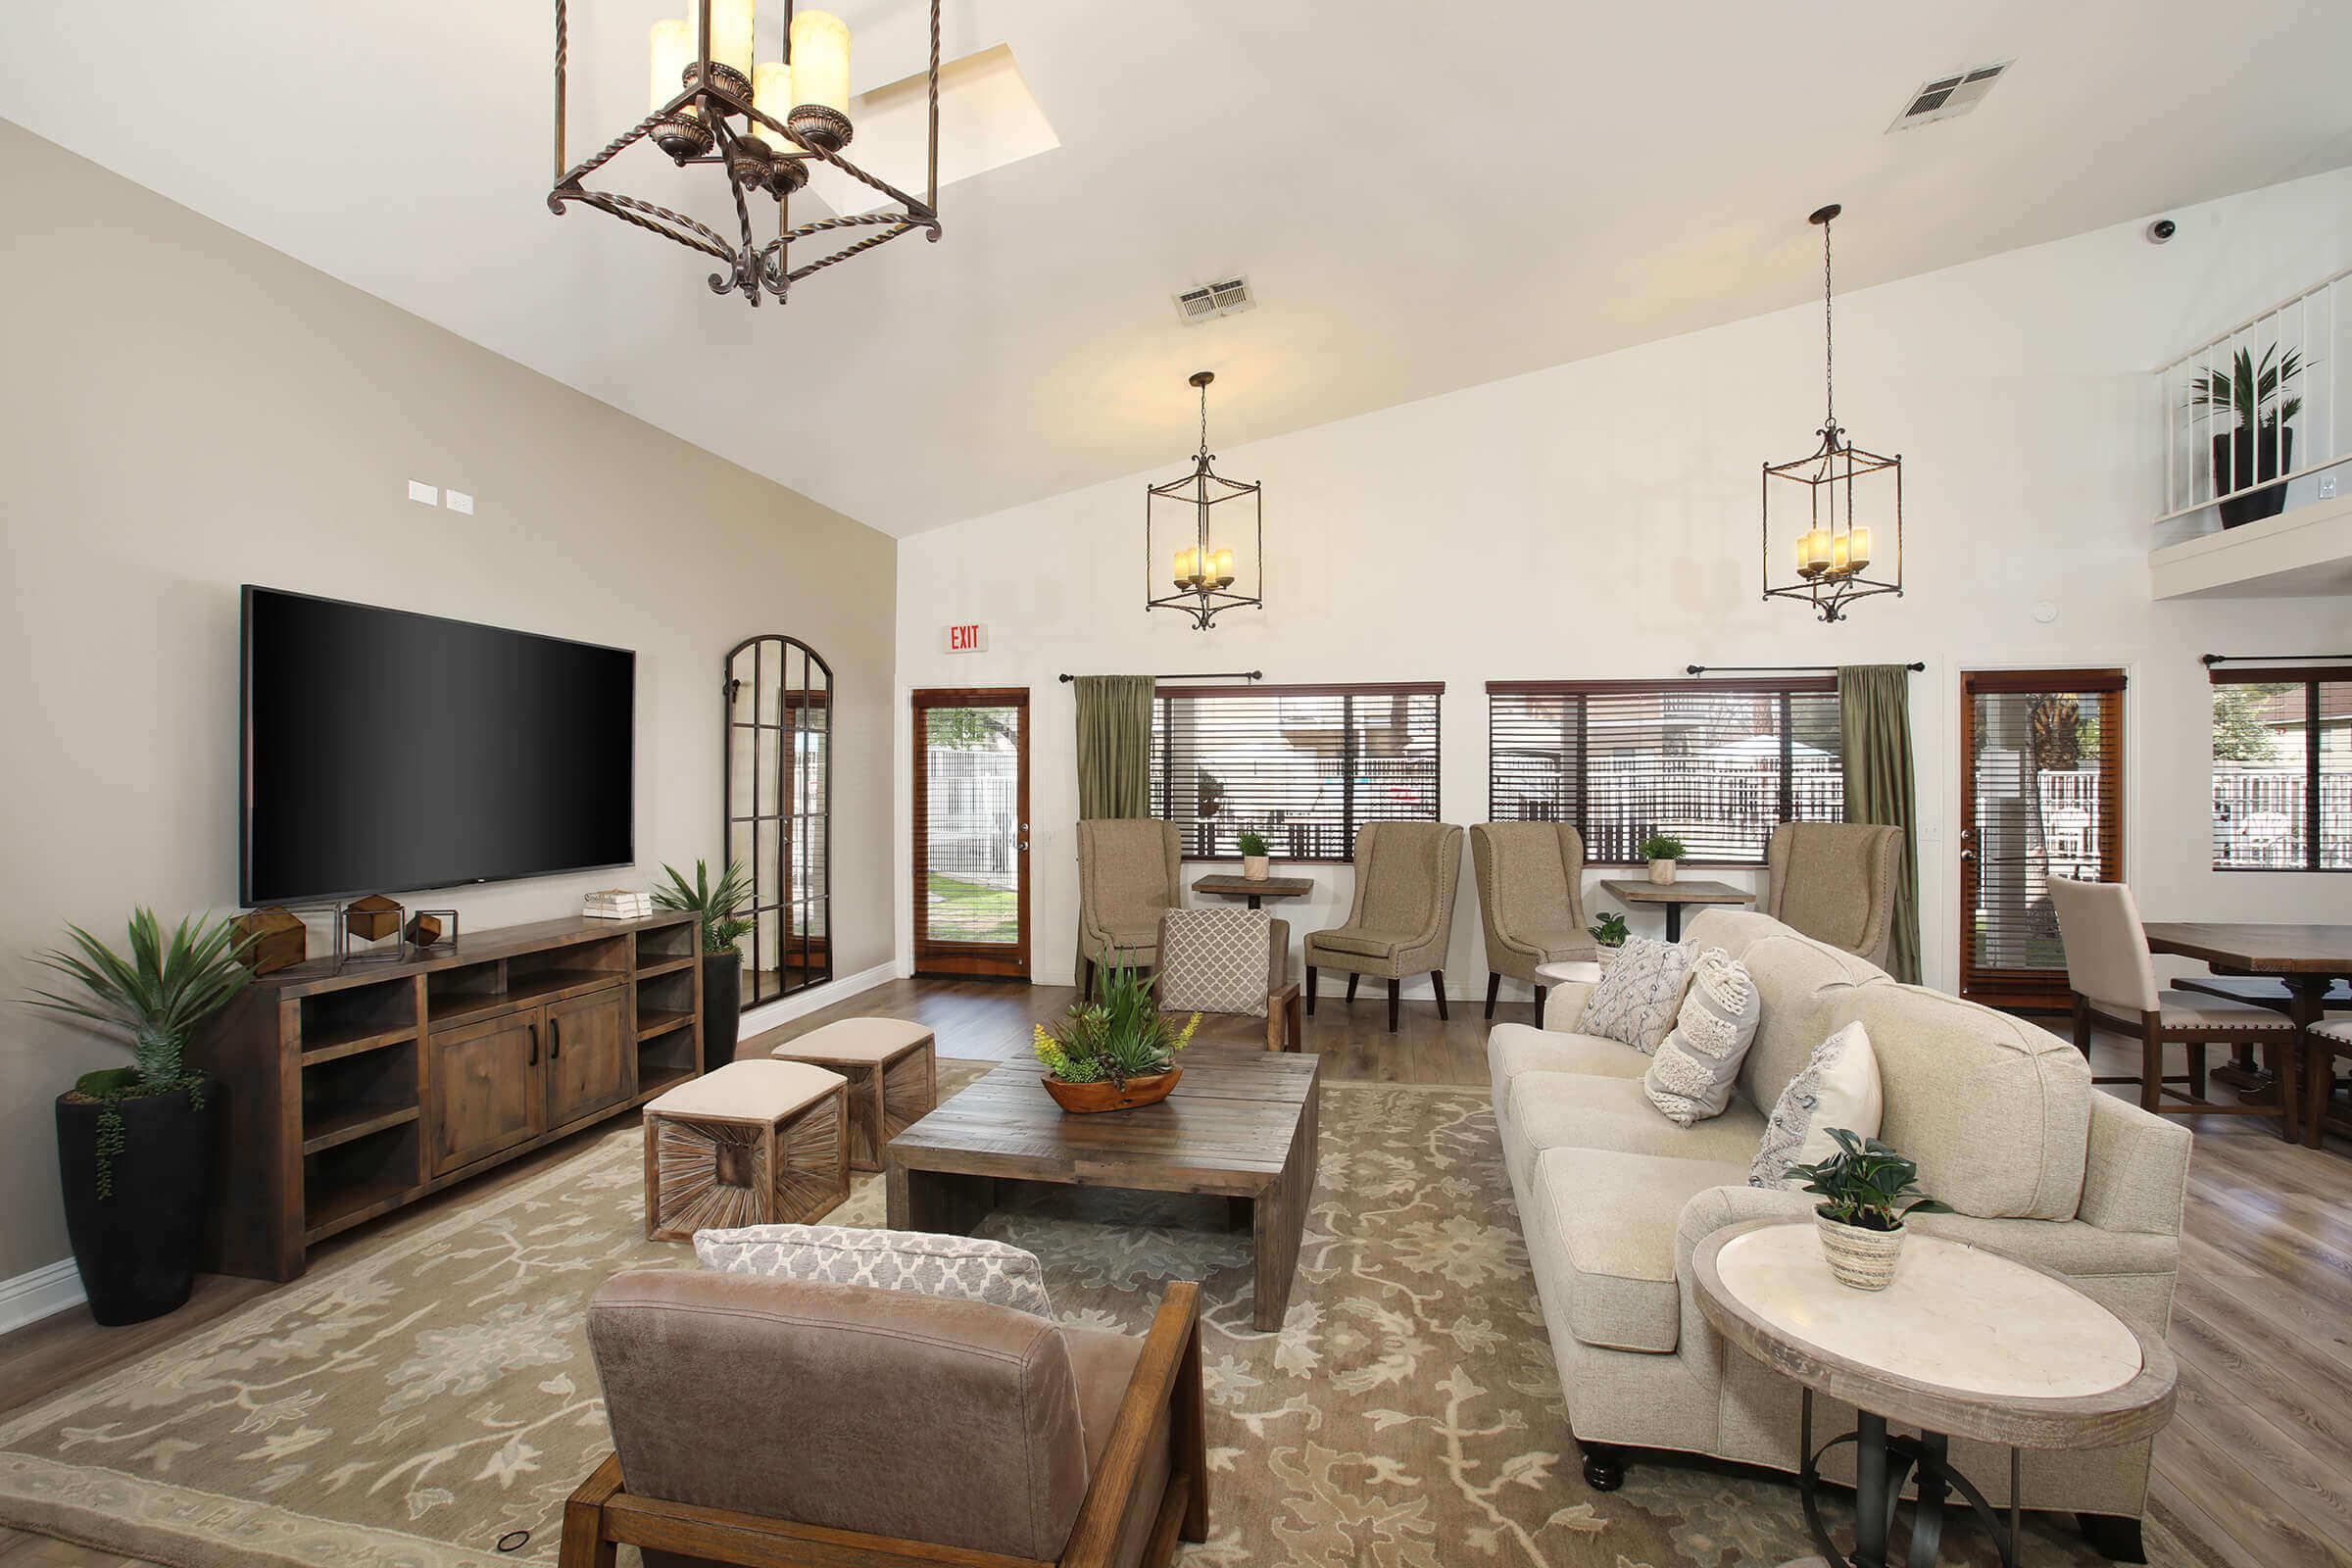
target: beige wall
<point>183,410</point>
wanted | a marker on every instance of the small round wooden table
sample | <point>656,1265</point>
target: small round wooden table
<point>1965,1343</point>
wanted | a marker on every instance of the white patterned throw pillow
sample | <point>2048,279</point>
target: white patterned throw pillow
<point>1690,1078</point>
<point>963,1267</point>
<point>1838,1088</point>
<point>1216,960</point>
<point>1635,998</point>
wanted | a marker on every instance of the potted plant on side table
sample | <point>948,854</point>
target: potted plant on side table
<point>134,1145</point>
<point>1862,1190</point>
<point>1255,862</point>
<point>1661,850</point>
<point>720,907</point>
<point>1608,934</point>
<point>1115,1054</point>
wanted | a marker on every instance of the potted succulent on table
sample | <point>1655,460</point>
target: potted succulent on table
<point>2260,444</point>
<point>1862,1190</point>
<point>1255,862</point>
<point>1661,850</point>
<point>1608,933</point>
<point>134,1145</point>
<point>721,907</point>
<point>1115,1054</point>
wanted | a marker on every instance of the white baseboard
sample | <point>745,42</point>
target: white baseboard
<point>802,1003</point>
<point>33,1295</point>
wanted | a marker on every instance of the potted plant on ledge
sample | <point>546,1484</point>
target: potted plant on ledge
<point>134,1145</point>
<point>1861,1213</point>
<point>2260,445</point>
<point>1608,934</point>
<point>1661,850</point>
<point>1256,862</point>
<point>1115,1054</point>
<point>720,907</point>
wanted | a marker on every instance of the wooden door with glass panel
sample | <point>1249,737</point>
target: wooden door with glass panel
<point>2042,794</point>
<point>971,832</point>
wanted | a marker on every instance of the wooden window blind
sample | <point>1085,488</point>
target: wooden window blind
<point>1718,763</point>
<point>2282,769</point>
<point>1304,765</point>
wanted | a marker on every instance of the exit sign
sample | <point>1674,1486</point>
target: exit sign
<point>971,639</point>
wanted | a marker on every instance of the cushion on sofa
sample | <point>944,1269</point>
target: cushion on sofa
<point>1638,992</point>
<point>1806,991</point>
<point>1690,1077</point>
<point>1732,930</point>
<point>1515,1048</point>
<point>1995,1110</point>
<point>1614,1215</point>
<point>1838,1087</point>
<point>1573,1110</point>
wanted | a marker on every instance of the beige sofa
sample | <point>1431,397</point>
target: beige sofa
<point>2000,1114</point>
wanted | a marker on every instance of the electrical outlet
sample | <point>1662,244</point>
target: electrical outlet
<point>420,491</point>
<point>457,501</point>
<point>2327,487</point>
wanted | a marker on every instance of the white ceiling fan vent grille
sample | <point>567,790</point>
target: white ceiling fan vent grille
<point>1947,97</point>
<point>1230,297</point>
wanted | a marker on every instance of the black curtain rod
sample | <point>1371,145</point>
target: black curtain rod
<point>1202,674</point>
<point>2212,660</point>
<point>1754,670</point>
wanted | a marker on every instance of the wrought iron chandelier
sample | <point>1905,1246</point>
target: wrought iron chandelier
<point>766,124</point>
<point>1833,532</point>
<point>1184,510</point>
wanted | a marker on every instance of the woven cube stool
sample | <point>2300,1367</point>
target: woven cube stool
<point>756,1143</point>
<point>893,1072</point>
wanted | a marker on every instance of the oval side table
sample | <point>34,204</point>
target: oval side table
<point>1965,1343</point>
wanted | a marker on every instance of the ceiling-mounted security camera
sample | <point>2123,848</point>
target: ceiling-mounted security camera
<point>2162,229</point>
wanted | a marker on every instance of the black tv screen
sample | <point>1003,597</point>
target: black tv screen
<point>386,752</point>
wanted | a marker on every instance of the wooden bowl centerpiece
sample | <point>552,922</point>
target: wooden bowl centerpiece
<point>1116,1054</point>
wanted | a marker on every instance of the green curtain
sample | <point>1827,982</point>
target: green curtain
<point>1115,746</point>
<point>1874,709</point>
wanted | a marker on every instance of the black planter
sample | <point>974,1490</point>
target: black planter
<point>2238,457</point>
<point>136,1249</point>
<point>723,1006</point>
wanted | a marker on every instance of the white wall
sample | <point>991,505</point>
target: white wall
<point>1598,520</point>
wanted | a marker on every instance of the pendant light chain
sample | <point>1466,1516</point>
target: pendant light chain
<point>1828,333</point>
<point>1204,419</point>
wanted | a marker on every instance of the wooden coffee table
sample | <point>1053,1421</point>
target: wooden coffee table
<point>1241,1125</point>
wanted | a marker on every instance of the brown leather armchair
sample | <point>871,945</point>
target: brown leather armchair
<point>760,1421</point>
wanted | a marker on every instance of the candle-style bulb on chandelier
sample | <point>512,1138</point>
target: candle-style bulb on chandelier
<point>1837,510</point>
<point>1207,534</point>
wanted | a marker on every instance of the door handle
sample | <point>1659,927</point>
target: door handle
<point>532,1060</point>
<point>1968,854</point>
<point>554,1038</point>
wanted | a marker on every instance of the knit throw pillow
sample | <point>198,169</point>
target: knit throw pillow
<point>962,1267</point>
<point>1690,1078</point>
<point>1636,999</point>
<point>1838,1088</point>
<point>1216,960</point>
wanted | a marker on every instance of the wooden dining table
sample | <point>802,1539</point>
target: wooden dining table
<point>2305,958</point>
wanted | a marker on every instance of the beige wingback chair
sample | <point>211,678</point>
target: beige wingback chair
<point>1129,869</point>
<point>763,1421</point>
<point>1531,898</point>
<point>1836,882</point>
<point>1403,914</point>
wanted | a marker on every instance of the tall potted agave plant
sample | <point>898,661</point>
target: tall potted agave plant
<point>720,905</point>
<point>1116,1054</point>
<point>2260,444</point>
<point>134,1145</point>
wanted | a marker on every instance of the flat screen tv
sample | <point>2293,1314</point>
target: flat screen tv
<point>386,752</point>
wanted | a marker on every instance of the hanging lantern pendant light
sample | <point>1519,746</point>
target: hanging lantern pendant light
<point>1847,493</point>
<point>1186,512</point>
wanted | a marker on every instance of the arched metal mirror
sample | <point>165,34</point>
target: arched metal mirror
<point>779,810</point>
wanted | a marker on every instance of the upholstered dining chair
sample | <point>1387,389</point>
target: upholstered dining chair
<point>2114,982</point>
<point>758,1421</point>
<point>1835,882</point>
<point>1129,869</point>
<point>1403,913</point>
<point>1231,967</point>
<point>1530,900</point>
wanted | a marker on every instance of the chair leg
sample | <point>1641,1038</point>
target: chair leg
<point>2319,1089</point>
<point>1541,993</point>
<point>1493,988</point>
<point>1086,990</point>
<point>1353,978</point>
<point>2196,1068</point>
<point>1393,987</point>
<point>1437,978</point>
<point>1310,991</point>
<point>2151,1066</point>
<point>2082,1025</point>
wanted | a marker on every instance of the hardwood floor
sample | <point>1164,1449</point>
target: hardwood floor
<point>2257,1464</point>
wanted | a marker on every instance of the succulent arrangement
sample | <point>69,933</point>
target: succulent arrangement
<point>1609,930</point>
<point>1122,1035</point>
<point>1865,1185</point>
<point>720,905</point>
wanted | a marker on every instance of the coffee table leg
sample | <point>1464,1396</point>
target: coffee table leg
<point>1277,1220</point>
<point>940,1201</point>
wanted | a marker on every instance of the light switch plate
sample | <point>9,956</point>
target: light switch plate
<point>2327,487</point>
<point>419,490</point>
<point>457,501</point>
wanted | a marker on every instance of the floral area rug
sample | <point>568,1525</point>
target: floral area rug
<point>411,1405</point>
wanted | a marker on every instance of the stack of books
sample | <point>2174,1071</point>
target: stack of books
<point>617,904</point>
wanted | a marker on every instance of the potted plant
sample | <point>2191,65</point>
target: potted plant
<point>1609,934</point>
<point>1862,1190</point>
<point>2260,445</point>
<point>134,1145</point>
<point>1254,859</point>
<point>721,907</point>
<point>1115,1054</point>
<point>1661,850</point>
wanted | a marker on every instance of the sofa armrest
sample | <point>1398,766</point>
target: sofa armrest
<point>1711,1211</point>
<point>1167,1385</point>
<point>2135,1176</point>
<point>1564,1005</point>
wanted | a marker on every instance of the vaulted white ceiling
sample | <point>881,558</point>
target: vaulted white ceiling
<point>1425,196</point>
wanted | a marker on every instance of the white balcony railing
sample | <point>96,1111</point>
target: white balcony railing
<point>2227,443</point>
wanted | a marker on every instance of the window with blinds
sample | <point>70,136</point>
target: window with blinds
<point>2282,769</point>
<point>1717,764</point>
<point>1304,765</point>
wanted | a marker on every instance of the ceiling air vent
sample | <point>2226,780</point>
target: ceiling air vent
<point>1948,96</point>
<point>1228,298</point>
